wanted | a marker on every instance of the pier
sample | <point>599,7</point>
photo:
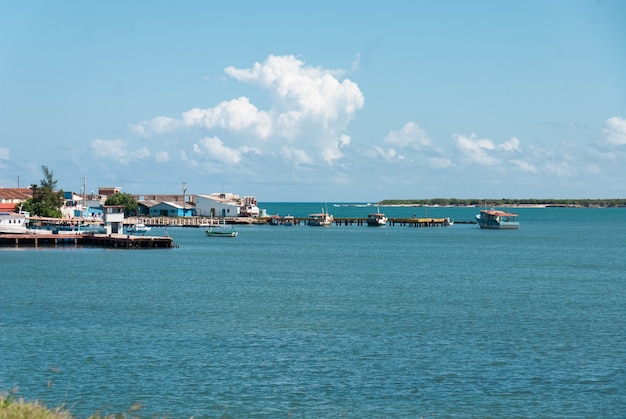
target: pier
<point>346,221</point>
<point>87,239</point>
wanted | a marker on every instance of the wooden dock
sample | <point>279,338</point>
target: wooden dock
<point>346,221</point>
<point>87,239</point>
<point>410,222</point>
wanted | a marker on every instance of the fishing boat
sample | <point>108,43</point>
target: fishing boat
<point>13,223</point>
<point>139,228</point>
<point>497,219</point>
<point>221,231</point>
<point>376,219</point>
<point>289,220</point>
<point>322,219</point>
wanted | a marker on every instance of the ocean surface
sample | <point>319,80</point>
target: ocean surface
<point>346,321</point>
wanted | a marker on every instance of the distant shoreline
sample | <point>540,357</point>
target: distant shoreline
<point>508,203</point>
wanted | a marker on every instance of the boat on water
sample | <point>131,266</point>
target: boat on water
<point>221,231</point>
<point>376,219</point>
<point>289,220</point>
<point>497,219</point>
<point>13,222</point>
<point>139,228</point>
<point>322,219</point>
<point>275,220</point>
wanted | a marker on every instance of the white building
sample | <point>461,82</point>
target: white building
<point>114,219</point>
<point>218,205</point>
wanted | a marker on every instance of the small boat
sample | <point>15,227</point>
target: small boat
<point>13,223</point>
<point>221,231</point>
<point>140,228</point>
<point>289,220</point>
<point>376,219</point>
<point>497,219</point>
<point>275,220</point>
<point>322,219</point>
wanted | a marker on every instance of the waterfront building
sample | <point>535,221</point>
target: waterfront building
<point>218,205</point>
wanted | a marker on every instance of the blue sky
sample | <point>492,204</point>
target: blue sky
<point>317,101</point>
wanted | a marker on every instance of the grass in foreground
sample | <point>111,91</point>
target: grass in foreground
<point>12,407</point>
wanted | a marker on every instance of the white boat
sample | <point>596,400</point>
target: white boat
<point>13,222</point>
<point>139,228</point>
<point>221,231</point>
<point>496,219</point>
<point>376,219</point>
<point>322,219</point>
<point>289,220</point>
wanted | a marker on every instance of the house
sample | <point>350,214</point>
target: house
<point>218,205</point>
<point>12,197</point>
<point>72,205</point>
<point>108,190</point>
<point>170,209</point>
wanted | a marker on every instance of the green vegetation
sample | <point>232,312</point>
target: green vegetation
<point>507,202</point>
<point>124,199</point>
<point>12,407</point>
<point>46,200</point>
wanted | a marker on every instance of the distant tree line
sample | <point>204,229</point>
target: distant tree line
<point>504,202</point>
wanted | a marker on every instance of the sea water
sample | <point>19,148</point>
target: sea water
<point>345,321</point>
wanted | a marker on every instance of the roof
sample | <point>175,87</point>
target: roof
<point>16,193</point>
<point>171,204</point>
<point>10,207</point>
<point>500,213</point>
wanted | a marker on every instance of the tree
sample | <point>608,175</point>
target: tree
<point>46,202</point>
<point>124,199</point>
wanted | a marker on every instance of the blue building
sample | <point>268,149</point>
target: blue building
<point>171,209</point>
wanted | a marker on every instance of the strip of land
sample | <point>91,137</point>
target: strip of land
<point>506,202</point>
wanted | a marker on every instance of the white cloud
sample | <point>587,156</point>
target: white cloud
<point>389,154</point>
<point>234,115</point>
<point>615,130</point>
<point>4,153</point>
<point>215,149</point>
<point>476,149</point>
<point>311,109</point>
<point>306,97</point>
<point>525,166</point>
<point>117,150</point>
<point>155,126</point>
<point>510,145</point>
<point>296,156</point>
<point>410,135</point>
<point>333,152</point>
<point>315,91</point>
<point>484,151</point>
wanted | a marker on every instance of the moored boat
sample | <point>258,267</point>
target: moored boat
<point>289,220</point>
<point>497,219</point>
<point>221,231</point>
<point>139,228</point>
<point>376,219</point>
<point>13,223</point>
<point>322,219</point>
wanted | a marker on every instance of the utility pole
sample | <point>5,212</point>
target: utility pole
<point>184,192</point>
